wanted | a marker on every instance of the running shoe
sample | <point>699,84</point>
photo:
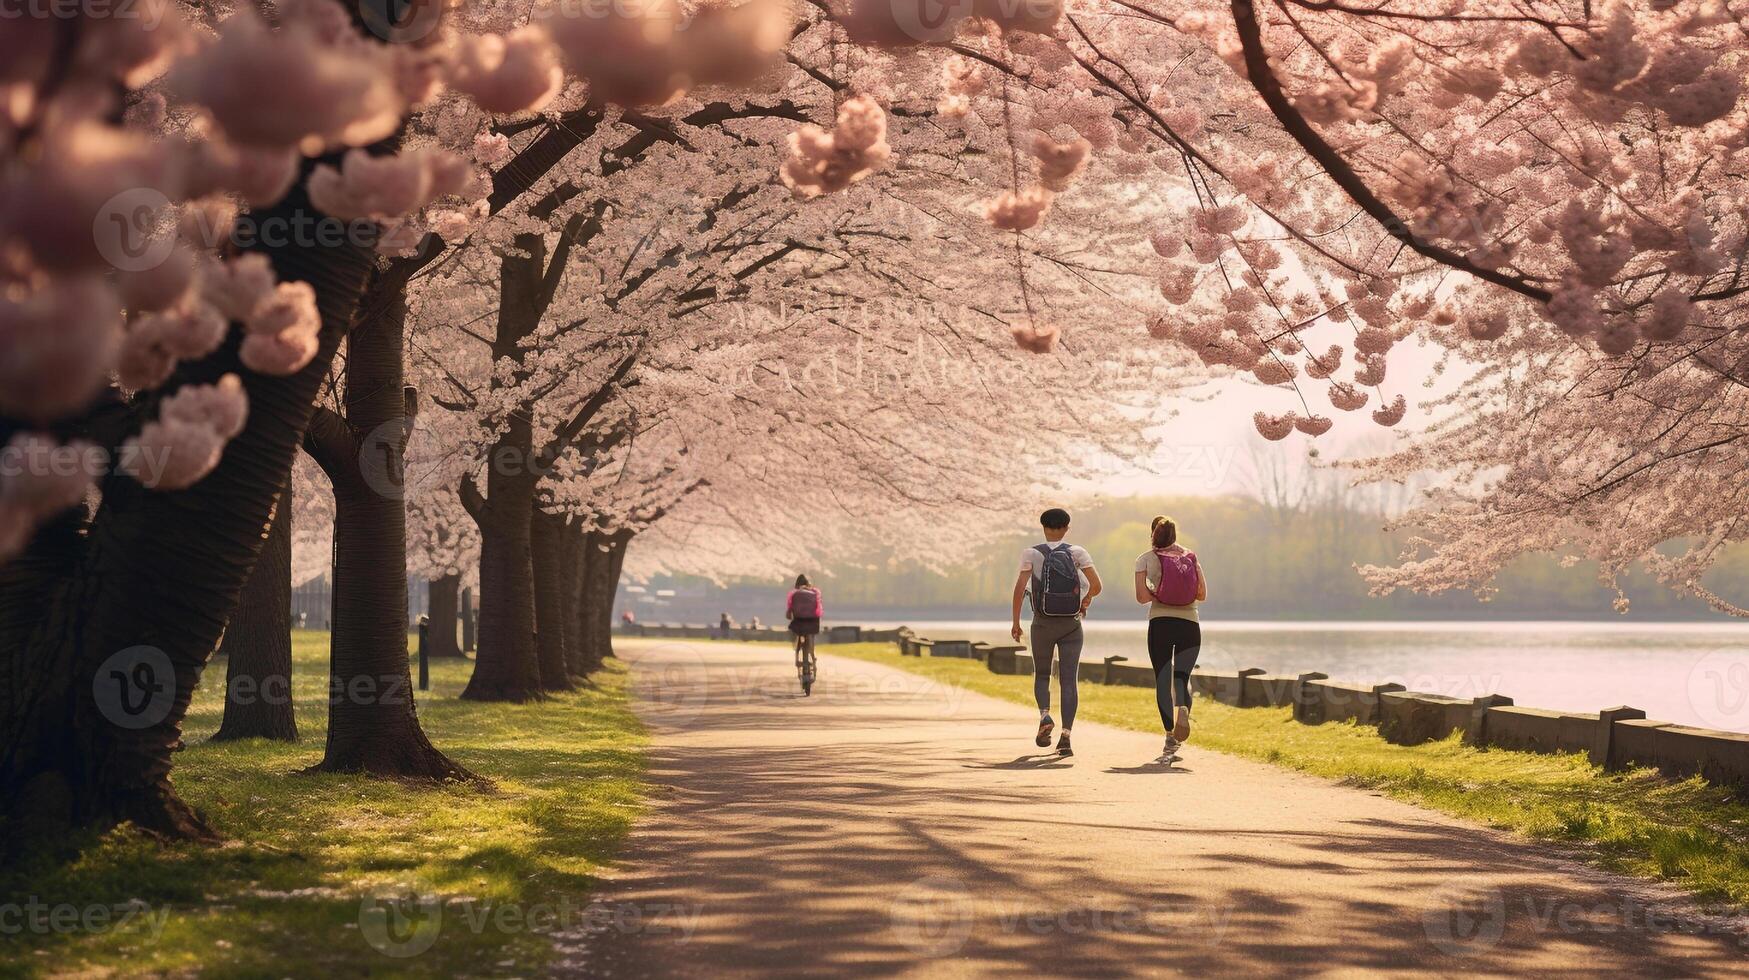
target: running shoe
<point>1063,745</point>
<point>1169,754</point>
<point>1181,730</point>
<point>1044,732</point>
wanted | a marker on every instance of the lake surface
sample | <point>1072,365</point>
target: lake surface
<point>1690,673</point>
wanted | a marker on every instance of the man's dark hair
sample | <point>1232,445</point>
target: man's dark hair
<point>1056,518</point>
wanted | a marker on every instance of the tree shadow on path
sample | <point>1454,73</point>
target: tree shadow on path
<point>869,837</point>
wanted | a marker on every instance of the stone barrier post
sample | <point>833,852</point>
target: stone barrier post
<point>1477,732</point>
<point>1302,709</point>
<point>1603,741</point>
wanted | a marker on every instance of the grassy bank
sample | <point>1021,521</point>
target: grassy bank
<point>1639,823</point>
<point>293,893</point>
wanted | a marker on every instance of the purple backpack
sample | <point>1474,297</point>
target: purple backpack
<point>1178,577</point>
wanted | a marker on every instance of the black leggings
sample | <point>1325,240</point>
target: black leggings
<point>1172,645</point>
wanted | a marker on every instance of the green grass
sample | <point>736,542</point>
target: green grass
<point>286,895</point>
<point>1639,823</point>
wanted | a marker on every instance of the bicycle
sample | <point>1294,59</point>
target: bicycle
<point>805,664</point>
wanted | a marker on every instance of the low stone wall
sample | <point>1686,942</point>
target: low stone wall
<point>1322,700</point>
<point>768,634</point>
<point>1614,738</point>
<point>1406,718</point>
<point>1679,750</point>
<point>1537,730</point>
<point>953,648</point>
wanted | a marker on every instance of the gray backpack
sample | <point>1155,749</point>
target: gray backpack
<point>1056,590</point>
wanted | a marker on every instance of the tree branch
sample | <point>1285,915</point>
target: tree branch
<point>1262,78</point>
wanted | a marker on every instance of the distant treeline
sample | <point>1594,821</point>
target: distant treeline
<point>1263,562</point>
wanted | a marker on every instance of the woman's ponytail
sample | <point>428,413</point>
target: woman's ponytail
<point>1165,532</point>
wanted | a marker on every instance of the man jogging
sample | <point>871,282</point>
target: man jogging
<point>1062,581</point>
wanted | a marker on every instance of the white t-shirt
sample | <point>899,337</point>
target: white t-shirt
<point>1034,563</point>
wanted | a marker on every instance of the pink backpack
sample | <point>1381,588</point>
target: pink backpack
<point>1178,577</point>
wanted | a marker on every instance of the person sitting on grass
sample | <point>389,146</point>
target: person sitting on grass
<point>1063,582</point>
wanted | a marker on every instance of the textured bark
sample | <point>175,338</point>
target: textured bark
<point>469,616</point>
<point>164,570</point>
<point>591,568</point>
<point>257,644</point>
<point>507,666</point>
<point>373,724</point>
<point>445,596</point>
<point>546,535</point>
<point>616,561</point>
<point>571,593</point>
<point>603,558</point>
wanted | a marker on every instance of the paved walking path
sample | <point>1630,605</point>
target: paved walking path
<point>890,825</point>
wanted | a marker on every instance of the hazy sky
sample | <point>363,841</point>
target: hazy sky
<point>1212,447</point>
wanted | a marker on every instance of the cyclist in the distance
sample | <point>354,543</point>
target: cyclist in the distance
<point>803,607</point>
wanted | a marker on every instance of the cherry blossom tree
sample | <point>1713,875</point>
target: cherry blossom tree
<point>131,145</point>
<point>197,210</point>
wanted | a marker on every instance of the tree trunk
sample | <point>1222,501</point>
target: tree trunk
<point>468,614</point>
<point>444,598</point>
<point>603,557</point>
<point>546,534</point>
<point>373,725</point>
<point>159,571</point>
<point>257,644</point>
<point>507,667</point>
<point>616,561</point>
<point>591,569</point>
<point>571,593</point>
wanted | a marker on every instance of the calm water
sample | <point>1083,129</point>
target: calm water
<point>1692,673</point>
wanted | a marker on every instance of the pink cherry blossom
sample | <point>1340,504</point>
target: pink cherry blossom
<point>1274,427</point>
<point>508,74</point>
<point>1347,397</point>
<point>1391,414</point>
<point>821,162</point>
<point>59,343</point>
<point>1019,211</point>
<point>282,332</point>
<point>188,438</point>
<point>42,478</point>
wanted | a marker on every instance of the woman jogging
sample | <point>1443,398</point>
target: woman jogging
<point>803,607</point>
<point>1169,581</point>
